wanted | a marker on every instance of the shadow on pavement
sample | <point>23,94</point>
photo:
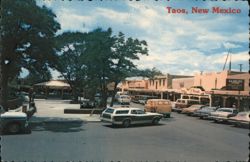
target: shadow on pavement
<point>56,124</point>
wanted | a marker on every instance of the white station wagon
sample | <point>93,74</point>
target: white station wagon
<point>127,116</point>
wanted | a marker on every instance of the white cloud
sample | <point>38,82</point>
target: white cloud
<point>229,45</point>
<point>175,42</point>
<point>72,21</point>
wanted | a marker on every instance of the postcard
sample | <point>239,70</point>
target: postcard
<point>124,81</point>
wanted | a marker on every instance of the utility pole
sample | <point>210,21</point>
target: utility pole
<point>240,67</point>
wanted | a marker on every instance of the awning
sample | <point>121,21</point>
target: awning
<point>53,84</point>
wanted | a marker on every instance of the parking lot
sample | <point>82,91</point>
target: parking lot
<point>179,138</point>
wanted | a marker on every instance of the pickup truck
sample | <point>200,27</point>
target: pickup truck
<point>12,122</point>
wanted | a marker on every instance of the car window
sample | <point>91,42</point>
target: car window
<point>133,112</point>
<point>109,110</point>
<point>140,112</point>
<point>235,111</point>
<point>122,112</point>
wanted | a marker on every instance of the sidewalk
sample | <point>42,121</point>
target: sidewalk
<point>53,111</point>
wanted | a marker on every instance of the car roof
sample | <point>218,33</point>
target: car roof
<point>158,100</point>
<point>227,108</point>
<point>125,108</point>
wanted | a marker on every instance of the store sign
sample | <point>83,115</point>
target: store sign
<point>235,84</point>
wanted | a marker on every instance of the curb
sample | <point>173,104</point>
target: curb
<point>63,121</point>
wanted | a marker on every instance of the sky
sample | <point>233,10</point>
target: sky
<point>178,43</point>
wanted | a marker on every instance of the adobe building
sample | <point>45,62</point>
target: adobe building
<point>228,88</point>
<point>183,83</point>
<point>134,83</point>
<point>164,83</point>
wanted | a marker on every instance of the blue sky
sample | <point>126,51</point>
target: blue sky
<point>177,43</point>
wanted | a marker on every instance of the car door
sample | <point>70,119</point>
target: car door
<point>142,117</point>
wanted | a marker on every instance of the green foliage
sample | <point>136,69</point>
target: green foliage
<point>90,61</point>
<point>27,38</point>
<point>149,73</point>
<point>37,76</point>
<point>71,47</point>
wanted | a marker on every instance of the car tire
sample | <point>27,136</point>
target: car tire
<point>13,128</point>
<point>156,121</point>
<point>126,123</point>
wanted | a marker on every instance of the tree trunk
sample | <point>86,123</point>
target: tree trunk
<point>113,94</point>
<point>4,86</point>
<point>1,65</point>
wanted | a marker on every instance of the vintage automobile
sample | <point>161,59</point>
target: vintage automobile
<point>161,106</point>
<point>124,99</point>
<point>222,114</point>
<point>86,103</point>
<point>204,112</point>
<point>142,99</point>
<point>184,103</point>
<point>241,119</point>
<point>12,122</point>
<point>191,109</point>
<point>128,116</point>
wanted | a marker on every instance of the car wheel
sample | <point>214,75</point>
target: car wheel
<point>156,121</point>
<point>13,128</point>
<point>126,123</point>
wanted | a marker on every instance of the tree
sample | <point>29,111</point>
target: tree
<point>99,60</point>
<point>149,73</point>
<point>1,54</point>
<point>125,52</point>
<point>27,39</point>
<point>71,62</point>
<point>37,76</point>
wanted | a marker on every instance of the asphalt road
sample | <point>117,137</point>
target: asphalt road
<point>180,138</point>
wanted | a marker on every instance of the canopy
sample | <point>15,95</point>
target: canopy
<point>55,84</point>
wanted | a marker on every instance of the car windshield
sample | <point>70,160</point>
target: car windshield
<point>109,110</point>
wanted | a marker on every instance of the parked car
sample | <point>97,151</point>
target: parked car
<point>86,103</point>
<point>161,106</point>
<point>184,103</point>
<point>12,122</point>
<point>241,119</point>
<point>142,99</point>
<point>191,109</point>
<point>128,116</point>
<point>222,114</point>
<point>124,99</point>
<point>204,112</point>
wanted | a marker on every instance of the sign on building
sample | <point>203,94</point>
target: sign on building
<point>235,84</point>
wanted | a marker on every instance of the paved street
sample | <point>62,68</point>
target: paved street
<point>180,138</point>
